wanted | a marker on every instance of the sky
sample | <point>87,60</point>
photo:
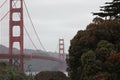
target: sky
<point>53,19</point>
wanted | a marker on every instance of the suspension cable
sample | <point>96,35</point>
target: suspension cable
<point>30,38</point>
<point>4,16</point>
<point>34,27</point>
<point>3,3</point>
<point>28,34</point>
<point>56,48</point>
<point>8,11</point>
<point>24,25</point>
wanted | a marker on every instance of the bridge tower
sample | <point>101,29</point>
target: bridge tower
<point>61,49</point>
<point>16,20</point>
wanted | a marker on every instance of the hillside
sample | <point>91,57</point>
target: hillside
<point>4,49</point>
<point>37,65</point>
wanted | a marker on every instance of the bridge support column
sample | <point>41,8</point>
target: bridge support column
<point>61,49</point>
<point>16,20</point>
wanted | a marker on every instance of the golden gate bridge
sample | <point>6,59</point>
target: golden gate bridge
<point>17,59</point>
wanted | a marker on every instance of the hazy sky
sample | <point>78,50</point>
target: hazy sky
<point>53,19</point>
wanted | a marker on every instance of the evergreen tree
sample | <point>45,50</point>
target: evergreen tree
<point>8,73</point>
<point>102,37</point>
<point>111,10</point>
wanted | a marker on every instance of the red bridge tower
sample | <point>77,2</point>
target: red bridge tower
<point>61,49</point>
<point>16,20</point>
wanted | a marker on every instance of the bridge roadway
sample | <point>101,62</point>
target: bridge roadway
<point>29,56</point>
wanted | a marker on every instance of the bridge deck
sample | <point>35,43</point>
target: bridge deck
<point>29,56</point>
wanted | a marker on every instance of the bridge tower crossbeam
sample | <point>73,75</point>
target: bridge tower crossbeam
<point>16,22</point>
<point>61,49</point>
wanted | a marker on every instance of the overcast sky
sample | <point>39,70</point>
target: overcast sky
<point>53,19</point>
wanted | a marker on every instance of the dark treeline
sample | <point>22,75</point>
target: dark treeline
<point>7,72</point>
<point>94,53</point>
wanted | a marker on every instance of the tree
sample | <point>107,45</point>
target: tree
<point>102,38</point>
<point>111,10</point>
<point>98,20</point>
<point>88,58</point>
<point>104,50</point>
<point>8,73</point>
<point>51,75</point>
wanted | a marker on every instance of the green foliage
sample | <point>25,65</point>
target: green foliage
<point>95,44</point>
<point>51,75</point>
<point>88,58</point>
<point>93,52</point>
<point>111,10</point>
<point>104,49</point>
<point>98,20</point>
<point>8,73</point>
